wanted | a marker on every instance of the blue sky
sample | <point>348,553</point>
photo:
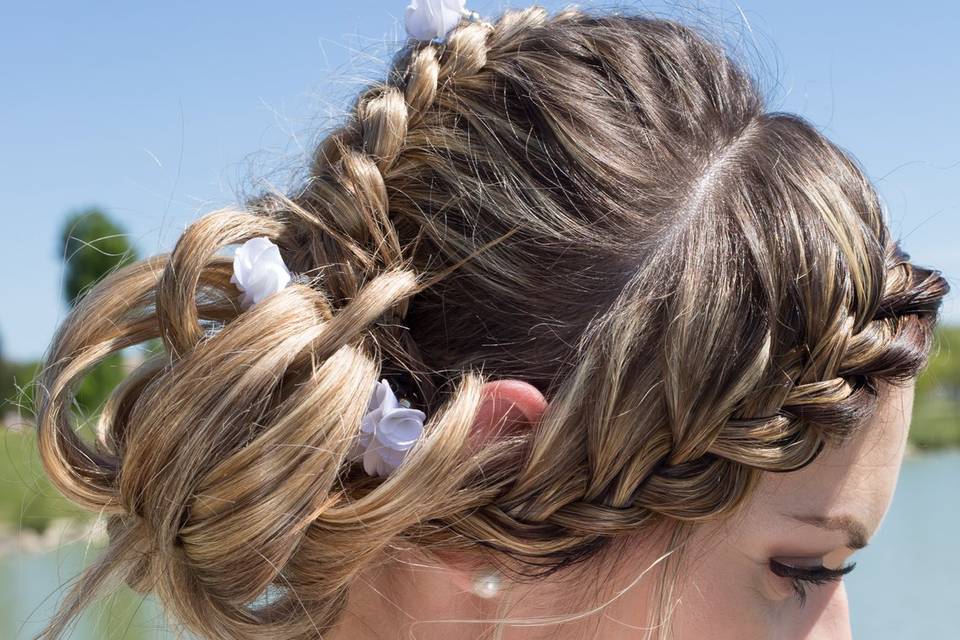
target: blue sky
<point>159,112</point>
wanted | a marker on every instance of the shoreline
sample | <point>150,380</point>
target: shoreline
<point>59,532</point>
<point>914,451</point>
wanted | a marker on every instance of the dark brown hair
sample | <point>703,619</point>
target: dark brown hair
<point>599,205</point>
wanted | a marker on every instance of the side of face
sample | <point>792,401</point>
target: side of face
<point>815,517</point>
<point>807,520</point>
<point>735,586</point>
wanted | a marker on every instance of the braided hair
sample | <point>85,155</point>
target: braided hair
<point>599,205</point>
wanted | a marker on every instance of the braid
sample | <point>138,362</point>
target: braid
<point>341,219</point>
<point>547,531</point>
<point>820,384</point>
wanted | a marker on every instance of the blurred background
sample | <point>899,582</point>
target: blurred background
<point>120,123</point>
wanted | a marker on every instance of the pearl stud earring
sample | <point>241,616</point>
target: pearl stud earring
<point>487,584</point>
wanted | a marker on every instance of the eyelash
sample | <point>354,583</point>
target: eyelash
<point>800,577</point>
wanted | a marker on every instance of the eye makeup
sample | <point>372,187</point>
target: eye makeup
<point>802,576</point>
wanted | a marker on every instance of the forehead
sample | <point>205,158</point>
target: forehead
<point>856,479</point>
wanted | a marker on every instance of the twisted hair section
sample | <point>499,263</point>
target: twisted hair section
<point>221,462</point>
<point>600,205</point>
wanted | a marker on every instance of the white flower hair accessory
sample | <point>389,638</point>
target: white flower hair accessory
<point>429,19</point>
<point>388,430</point>
<point>258,270</point>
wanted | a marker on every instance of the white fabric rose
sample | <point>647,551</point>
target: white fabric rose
<point>258,270</point>
<point>429,19</point>
<point>387,432</point>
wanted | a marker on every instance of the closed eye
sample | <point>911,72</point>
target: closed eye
<point>800,577</point>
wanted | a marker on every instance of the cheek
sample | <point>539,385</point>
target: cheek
<point>836,614</point>
<point>727,596</point>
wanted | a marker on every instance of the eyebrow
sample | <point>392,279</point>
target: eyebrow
<point>856,532</point>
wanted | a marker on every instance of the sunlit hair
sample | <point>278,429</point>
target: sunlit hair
<point>599,205</point>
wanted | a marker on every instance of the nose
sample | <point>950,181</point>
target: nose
<point>834,620</point>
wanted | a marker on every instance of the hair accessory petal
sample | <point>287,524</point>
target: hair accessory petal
<point>387,431</point>
<point>259,270</point>
<point>429,19</point>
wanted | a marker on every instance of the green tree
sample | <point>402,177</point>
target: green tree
<point>5,377</point>
<point>17,387</point>
<point>16,390</point>
<point>936,414</point>
<point>92,247</point>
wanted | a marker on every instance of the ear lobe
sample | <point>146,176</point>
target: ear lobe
<point>507,405</point>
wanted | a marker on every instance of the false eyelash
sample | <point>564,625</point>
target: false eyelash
<point>801,576</point>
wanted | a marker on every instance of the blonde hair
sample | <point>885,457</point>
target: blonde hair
<point>599,205</point>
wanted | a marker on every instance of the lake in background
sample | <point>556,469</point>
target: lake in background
<point>904,586</point>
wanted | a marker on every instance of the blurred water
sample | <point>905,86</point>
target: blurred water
<point>904,586</point>
<point>31,585</point>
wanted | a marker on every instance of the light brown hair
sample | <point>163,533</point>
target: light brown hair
<point>599,205</point>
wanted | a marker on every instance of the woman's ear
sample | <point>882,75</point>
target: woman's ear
<point>507,405</point>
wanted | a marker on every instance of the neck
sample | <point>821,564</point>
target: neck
<point>423,599</point>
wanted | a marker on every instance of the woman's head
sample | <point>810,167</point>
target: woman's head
<point>592,217</point>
